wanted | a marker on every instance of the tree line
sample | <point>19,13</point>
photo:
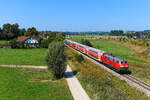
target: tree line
<point>11,31</point>
<point>138,35</point>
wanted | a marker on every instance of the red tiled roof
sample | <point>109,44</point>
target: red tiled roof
<point>35,37</point>
<point>23,38</point>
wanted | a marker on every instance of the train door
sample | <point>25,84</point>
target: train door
<point>117,64</point>
<point>99,56</point>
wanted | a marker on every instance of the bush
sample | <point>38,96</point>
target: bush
<point>79,58</point>
<point>4,43</point>
<point>56,59</point>
<point>44,43</point>
<point>14,44</point>
<point>86,42</point>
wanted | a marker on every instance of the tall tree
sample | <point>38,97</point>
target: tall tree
<point>45,34</point>
<point>15,29</point>
<point>10,31</point>
<point>22,31</point>
<point>1,34</point>
<point>31,31</point>
<point>56,59</point>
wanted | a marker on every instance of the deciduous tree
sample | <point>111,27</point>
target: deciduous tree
<point>31,31</point>
<point>56,59</point>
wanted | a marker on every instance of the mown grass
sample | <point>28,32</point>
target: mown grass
<point>100,84</point>
<point>23,56</point>
<point>27,84</point>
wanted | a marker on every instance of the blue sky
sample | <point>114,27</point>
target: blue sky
<point>77,15</point>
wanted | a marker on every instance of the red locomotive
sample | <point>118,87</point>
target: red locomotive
<point>118,63</point>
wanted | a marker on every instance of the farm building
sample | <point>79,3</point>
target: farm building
<point>32,41</point>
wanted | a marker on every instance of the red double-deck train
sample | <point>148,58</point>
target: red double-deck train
<point>118,63</point>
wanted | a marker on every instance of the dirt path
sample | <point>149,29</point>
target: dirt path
<point>25,66</point>
<point>76,89</point>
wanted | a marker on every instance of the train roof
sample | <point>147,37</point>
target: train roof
<point>97,50</point>
<point>116,58</point>
<point>83,45</point>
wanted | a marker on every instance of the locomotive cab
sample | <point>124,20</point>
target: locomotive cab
<point>123,65</point>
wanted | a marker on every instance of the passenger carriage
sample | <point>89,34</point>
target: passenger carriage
<point>82,48</point>
<point>95,53</point>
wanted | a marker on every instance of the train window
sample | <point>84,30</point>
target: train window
<point>121,62</point>
<point>93,51</point>
<point>106,56</point>
<point>117,61</point>
<point>114,60</point>
<point>126,62</point>
<point>111,58</point>
<point>80,46</point>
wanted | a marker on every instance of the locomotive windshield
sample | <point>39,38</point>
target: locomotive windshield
<point>123,62</point>
<point>126,62</point>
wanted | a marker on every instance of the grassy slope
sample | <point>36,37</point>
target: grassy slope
<point>25,84</point>
<point>22,56</point>
<point>101,85</point>
<point>139,65</point>
<point>115,49</point>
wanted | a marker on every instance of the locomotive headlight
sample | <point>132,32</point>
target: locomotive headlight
<point>124,66</point>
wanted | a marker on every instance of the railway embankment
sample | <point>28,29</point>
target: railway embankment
<point>102,84</point>
<point>139,62</point>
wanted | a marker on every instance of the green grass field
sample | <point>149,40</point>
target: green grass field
<point>23,56</point>
<point>116,49</point>
<point>27,84</point>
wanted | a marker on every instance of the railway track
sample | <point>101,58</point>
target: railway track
<point>137,81</point>
<point>131,80</point>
